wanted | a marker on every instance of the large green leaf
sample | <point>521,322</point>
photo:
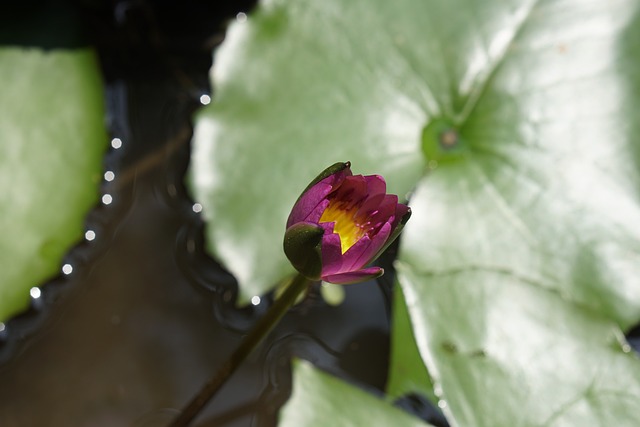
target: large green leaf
<point>52,139</point>
<point>517,121</point>
<point>290,99</point>
<point>521,264</point>
<point>506,351</point>
<point>408,373</point>
<point>321,400</point>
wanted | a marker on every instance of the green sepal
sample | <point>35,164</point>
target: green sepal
<point>303,246</point>
<point>333,169</point>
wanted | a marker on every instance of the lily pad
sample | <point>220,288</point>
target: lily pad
<point>289,102</point>
<point>320,400</point>
<point>516,121</point>
<point>505,351</point>
<point>52,140</point>
<point>408,374</point>
<point>521,264</point>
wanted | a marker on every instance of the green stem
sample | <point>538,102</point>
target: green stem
<point>260,330</point>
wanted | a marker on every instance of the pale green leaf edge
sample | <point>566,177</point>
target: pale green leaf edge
<point>407,371</point>
<point>321,400</point>
<point>36,255</point>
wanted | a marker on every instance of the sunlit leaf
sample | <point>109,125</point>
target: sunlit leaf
<point>506,351</point>
<point>517,123</point>
<point>408,374</point>
<point>321,400</point>
<point>291,99</point>
<point>521,264</point>
<point>52,139</point>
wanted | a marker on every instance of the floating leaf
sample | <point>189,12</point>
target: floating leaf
<point>505,351</point>
<point>321,400</point>
<point>516,120</point>
<point>521,264</point>
<point>52,139</point>
<point>408,374</point>
<point>288,103</point>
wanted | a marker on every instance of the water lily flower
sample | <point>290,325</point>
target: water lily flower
<point>340,224</point>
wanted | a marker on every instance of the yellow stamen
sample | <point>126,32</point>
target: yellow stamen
<point>345,223</point>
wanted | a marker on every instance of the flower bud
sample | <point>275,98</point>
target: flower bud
<point>340,224</point>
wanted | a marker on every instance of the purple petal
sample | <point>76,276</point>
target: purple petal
<point>354,276</point>
<point>377,243</point>
<point>376,190</point>
<point>332,260</point>
<point>316,213</point>
<point>375,185</point>
<point>401,211</point>
<point>353,189</point>
<point>309,204</point>
<point>353,254</point>
<point>385,210</point>
<point>327,227</point>
<point>388,205</point>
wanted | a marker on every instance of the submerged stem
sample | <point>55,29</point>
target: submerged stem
<point>259,331</point>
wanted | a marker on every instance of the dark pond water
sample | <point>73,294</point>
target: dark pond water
<point>145,317</point>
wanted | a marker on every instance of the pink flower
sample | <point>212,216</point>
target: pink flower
<point>341,223</point>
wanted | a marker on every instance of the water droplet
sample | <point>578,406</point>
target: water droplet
<point>67,269</point>
<point>35,293</point>
<point>107,199</point>
<point>255,300</point>
<point>2,327</point>
<point>90,235</point>
<point>442,404</point>
<point>197,207</point>
<point>109,176</point>
<point>116,143</point>
<point>205,99</point>
<point>626,348</point>
<point>437,390</point>
<point>241,17</point>
<point>433,164</point>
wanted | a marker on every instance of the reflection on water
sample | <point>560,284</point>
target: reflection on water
<point>107,199</point>
<point>67,268</point>
<point>116,143</point>
<point>90,235</point>
<point>35,292</point>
